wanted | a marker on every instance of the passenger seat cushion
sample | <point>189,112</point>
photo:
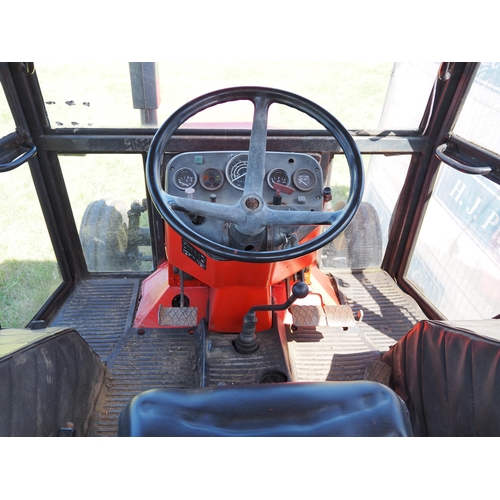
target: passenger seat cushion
<point>448,374</point>
<point>359,408</point>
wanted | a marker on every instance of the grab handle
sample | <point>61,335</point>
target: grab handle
<point>441,153</point>
<point>21,158</point>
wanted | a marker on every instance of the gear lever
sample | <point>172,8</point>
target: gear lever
<point>246,343</point>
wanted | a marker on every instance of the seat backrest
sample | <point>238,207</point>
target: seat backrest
<point>48,377</point>
<point>358,408</point>
<point>448,374</point>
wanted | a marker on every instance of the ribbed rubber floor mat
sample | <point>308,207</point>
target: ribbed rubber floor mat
<point>321,353</point>
<point>155,359</point>
<point>388,313</point>
<point>224,365</point>
<point>100,311</point>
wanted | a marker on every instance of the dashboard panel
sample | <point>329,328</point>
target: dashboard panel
<point>224,173</point>
<point>295,179</point>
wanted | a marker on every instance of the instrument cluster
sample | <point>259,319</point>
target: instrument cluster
<point>224,174</point>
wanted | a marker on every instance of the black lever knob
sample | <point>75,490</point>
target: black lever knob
<point>300,290</point>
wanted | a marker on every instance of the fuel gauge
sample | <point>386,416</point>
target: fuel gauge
<point>185,178</point>
<point>304,179</point>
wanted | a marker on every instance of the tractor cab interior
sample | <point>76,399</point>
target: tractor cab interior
<point>246,262</point>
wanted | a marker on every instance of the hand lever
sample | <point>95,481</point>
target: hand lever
<point>246,343</point>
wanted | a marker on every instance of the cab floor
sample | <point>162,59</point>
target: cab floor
<point>139,360</point>
<point>387,312</point>
<point>322,353</point>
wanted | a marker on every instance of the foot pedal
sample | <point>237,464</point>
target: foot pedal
<point>308,315</point>
<point>178,316</point>
<point>339,316</point>
<point>316,315</point>
<point>377,371</point>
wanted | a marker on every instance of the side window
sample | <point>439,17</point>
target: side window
<point>7,124</point>
<point>455,262</point>
<point>29,272</point>
<point>107,195</point>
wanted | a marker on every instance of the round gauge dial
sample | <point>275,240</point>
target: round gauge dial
<point>304,179</point>
<point>212,179</point>
<point>185,178</point>
<point>278,175</point>
<point>236,171</point>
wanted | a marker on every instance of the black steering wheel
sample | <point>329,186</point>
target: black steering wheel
<point>251,214</point>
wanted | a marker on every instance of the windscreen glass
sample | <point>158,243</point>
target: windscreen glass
<point>124,95</point>
<point>362,244</point>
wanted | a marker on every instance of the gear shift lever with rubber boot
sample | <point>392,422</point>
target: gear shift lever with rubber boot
<point>246,343</point>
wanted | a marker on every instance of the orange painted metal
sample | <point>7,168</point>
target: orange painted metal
<point>223,291</point>
<point>160,289</point>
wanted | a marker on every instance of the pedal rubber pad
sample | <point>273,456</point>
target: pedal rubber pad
<point>308,315</point>
<point>177,316</point>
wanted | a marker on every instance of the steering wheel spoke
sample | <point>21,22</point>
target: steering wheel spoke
<point>256,170</point>
<point>228,213</point>
<point>300,218</point>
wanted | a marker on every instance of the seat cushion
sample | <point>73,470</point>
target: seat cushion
<point>359,408</point>
<point>448,374</point>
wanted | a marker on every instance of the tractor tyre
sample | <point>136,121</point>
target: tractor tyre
<point>364,238</point>
<point>359,246</point>
<point>104,235</point>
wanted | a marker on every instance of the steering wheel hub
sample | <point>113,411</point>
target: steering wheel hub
<point>252,203</point>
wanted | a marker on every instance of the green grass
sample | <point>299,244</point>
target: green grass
<point>354,93</point>
<point>22,227</point>
<point>28,268</point>
<point>24,287</point>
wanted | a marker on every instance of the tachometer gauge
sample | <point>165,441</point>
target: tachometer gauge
<point>304,179</point>
<point>185,178</point>
<point>278,175</point>
<point>236,170</point>
<point>212,179</point>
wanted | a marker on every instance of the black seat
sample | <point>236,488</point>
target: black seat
<point>358,408</point>
<point>49,377</point>
<point>448,374</point>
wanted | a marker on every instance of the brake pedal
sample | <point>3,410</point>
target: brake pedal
<point>178,316</point>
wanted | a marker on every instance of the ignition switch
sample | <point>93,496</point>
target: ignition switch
<point>278,189</point>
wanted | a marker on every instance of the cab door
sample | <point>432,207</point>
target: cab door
<point>30,273</point>
<point>454,263</point>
